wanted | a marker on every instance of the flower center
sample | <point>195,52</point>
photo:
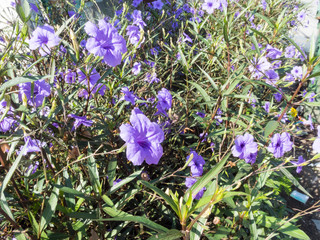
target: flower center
<point>144,144</point>
<point>44,39</point>
<point>242,145</point>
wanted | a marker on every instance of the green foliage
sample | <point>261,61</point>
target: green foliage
<point>75,191</point>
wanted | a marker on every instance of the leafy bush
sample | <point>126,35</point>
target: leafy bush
<point>167,120</point>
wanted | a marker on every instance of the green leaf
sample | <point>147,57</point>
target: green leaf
<point>294,181</point>
<point>162,194</point>
<point>23,10</point>
<point>35,226</point>
<point>93,172</point>
<point>270,128</point>
<point>204,180</point>
<point>312,104</point>
<point>203,93</point>
<point>3,202</point>
<point>18,80</point>
<point>124,181</point>
<point>172,234</point>
<point>214,85</point>
<point>137,219</point>
<point>253,226</point>
<point>73,192</point>
<point>281,225</point>
<point>50,208</point>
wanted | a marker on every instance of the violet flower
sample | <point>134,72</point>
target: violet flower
<point>41,90</point>
<point>143,139</point>
<point>134,35</point>
<point>33,145</point>
<point>137,19</point>
<point>297,72</point>
<point>136,68</point>
<point>189,182</point>
<point>196,164</point>
<point>128,96</point>
<point>105,42</point>
<point>93,79</point>
<point>280,144</point>
<point>299,162</point>
<point>164,101</point>
<point>44,38</point>
<point>267,107</point>
<point>157,4</point>
<point>244,147</point>
<point>80,121</point>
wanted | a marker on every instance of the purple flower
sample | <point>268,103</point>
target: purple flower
<point>259,67</point>
<point>34,7</point>
<point>267,107</point>
<point>210,5</point>
<point>297,72</point>
<point>272,52</point>
<point>7,124</point>
<point>277,96</point>
<point>290,52</point>
<point>70,77</point>
<point>280,144</point>
<point>115,182</point>
<point>93,87</point>
<point>136,3</point>
<point>33,145</point>
<point>80,121</point>
<point>143,139</point>
<point>105,42</point>
<point>308,122</point>
<point>187,38</point>
<point>264,4</point>
<point>137,19</point>
<point>152,78</point>
<point>134,35</point>
<point>43,38</point>
<point>311,97</point>
<point>272,77</point>
<point>189,182</point>
<point>164,101</point>
<point>136,68</point>
<point>201,114</point>
<point>41,90</point>
<point>244,147</point>
<point>157,4</point>
<point>316,143</point>
<point>196,164</point>
<point>300,162</point>
<point>128,96</point>
<point>289,77</point>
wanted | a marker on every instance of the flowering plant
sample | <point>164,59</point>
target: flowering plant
<point>182,116</point>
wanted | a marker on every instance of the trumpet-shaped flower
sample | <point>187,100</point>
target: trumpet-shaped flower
<point>280,144</point>
<point>300,162</point>
<point>164,101</point>
<point>196,164</point>
<point>44,38</point>
<point>143,139</point>
<point>41,90</point>
<point>105,42</point>
<point>245,147</point>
